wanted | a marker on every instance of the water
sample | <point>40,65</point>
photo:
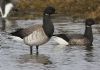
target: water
<point>14,54</point>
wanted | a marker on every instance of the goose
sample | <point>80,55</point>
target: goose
<point>38,34</point>
<point>5,7</point>
<point>77,39</point>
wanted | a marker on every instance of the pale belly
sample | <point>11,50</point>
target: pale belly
<point>79,41</point>
<point>36,38</point>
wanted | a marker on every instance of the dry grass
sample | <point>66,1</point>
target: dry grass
<point>73,8</point>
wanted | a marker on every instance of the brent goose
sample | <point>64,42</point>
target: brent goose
<point>78,39</point>
<point>38,34</point>
<point>5,7</point>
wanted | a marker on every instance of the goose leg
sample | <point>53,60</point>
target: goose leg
<point>37,50</point>
<point>31,51</point>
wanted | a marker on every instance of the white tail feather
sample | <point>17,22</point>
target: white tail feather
<point>61,41</point>
<point>16,38</point>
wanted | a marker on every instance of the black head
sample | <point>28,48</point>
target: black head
<point>49,10</point>
<point>89,22</point>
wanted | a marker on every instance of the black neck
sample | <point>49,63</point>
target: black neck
<point>88,34</point>
<point>47,25</point>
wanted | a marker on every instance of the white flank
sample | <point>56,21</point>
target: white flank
<point>60,41</point>
<point>8,7</point>
<point>16,38</point>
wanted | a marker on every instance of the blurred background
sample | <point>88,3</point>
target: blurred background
<point>70,8</point>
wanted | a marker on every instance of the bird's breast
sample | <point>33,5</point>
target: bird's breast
<point>37,37</point>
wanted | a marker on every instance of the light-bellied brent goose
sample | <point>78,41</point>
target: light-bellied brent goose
<point>78,39</point>
<point>38,34</point>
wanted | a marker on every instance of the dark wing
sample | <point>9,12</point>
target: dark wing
<point>75,36</point>
<point>78,39</point>
<point>25,32</point>
<point>20,33</point>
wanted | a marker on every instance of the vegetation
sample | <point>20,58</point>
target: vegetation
<point>72,8</point>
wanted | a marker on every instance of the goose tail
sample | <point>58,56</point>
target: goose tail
<point>17,33</point>
<point>61,39</point>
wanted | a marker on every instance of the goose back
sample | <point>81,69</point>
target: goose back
<point>77,39</point>
<point>26,31</point>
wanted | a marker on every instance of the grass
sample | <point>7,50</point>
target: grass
<point>71,8</point>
